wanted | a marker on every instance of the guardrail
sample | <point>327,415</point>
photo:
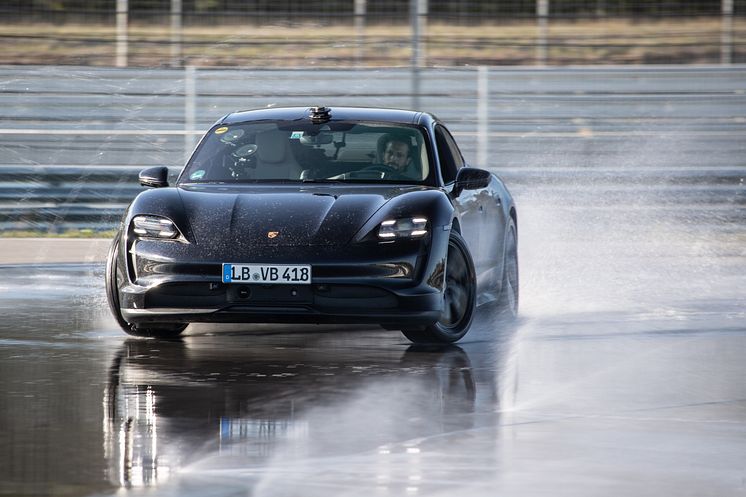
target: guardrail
<point>61,198</point>
<point>58,199</point>
<point>53,199</point>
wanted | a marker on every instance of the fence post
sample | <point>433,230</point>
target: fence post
<point>542,21</point>
<point>121,50</point>
<point>360,10</point>
<point>190,106</point>
<point>418,15</point>
<point>419,20</point>
<point>726,32</point>
<point>176,23</point>
<point>483,105</point>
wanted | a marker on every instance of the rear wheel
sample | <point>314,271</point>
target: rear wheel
<point>459,298</point>
<point>112,296</point>
<point>508,301</point>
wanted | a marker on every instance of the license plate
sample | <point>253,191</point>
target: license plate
<point>294,274</point>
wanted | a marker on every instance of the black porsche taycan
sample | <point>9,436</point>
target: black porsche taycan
<point>317,215</point>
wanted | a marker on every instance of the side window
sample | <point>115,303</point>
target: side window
<point>448,164</point>
<point>458,159</point>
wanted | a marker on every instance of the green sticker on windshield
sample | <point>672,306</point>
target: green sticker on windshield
<point>296,135</point>
<point>198,174</point>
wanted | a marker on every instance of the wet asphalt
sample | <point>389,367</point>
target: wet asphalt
<point>620,377</point>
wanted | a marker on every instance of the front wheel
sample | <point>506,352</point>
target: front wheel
<point>112,297</point>
<point>459,298</point>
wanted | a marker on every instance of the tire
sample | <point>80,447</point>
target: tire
<point>509,293</point>
<point>112,297</point>
<point>459,294</point>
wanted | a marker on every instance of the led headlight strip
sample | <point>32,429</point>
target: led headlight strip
<point>154,227</point>
<point>410,227</point>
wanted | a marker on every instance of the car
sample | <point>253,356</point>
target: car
<point>317,215</point>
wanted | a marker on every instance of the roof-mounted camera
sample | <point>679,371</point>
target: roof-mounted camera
<point>320,115</point>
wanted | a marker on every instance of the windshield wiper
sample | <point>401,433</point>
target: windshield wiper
<point>321,180</point>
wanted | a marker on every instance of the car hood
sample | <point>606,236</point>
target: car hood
<point>263,215</point>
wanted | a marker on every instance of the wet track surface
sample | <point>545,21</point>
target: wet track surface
<point>624,375</point>
<point>634,390</point>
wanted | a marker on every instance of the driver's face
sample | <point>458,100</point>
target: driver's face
<point>396,155</point>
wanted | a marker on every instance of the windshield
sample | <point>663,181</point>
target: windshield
<point>306,152</point>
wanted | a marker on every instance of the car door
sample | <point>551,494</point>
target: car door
<point>467,203</point>
<point>493,232</point>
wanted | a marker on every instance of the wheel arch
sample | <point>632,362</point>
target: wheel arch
<point>456,225</point>
<point>514,216</point>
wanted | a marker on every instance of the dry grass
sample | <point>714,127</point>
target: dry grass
<point>583,42</point>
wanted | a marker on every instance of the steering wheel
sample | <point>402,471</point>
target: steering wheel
<point>388,171</point>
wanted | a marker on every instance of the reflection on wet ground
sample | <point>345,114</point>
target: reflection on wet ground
<point>619,403</point>
<point>287,409</point>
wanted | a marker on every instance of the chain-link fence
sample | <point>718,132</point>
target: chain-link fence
<point>371,33</point>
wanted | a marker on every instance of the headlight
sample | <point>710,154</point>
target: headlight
<point>154,227</point>
<point>410,227</point>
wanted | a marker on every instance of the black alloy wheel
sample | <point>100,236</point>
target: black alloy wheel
<point>459,298</point>
<point>112,297</point>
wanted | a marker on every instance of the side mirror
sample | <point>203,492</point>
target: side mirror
<point>470,178</point>
<point>154,177</point>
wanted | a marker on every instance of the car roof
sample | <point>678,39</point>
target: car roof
<point>336,114</point>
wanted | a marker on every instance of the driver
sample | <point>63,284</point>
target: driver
<point>396,153</point>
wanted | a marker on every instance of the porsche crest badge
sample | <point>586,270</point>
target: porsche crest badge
<point>272,234</point>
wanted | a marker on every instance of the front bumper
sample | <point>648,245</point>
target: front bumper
<point>394,285</point>
<point>316,303</point>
